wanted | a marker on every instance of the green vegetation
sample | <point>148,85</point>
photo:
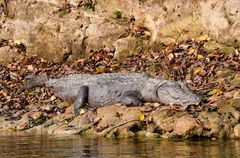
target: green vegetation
<point>89,5</point>
<point>119,15</point>
<point>62,13</point>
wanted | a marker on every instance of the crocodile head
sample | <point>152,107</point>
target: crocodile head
<point>171,92</point>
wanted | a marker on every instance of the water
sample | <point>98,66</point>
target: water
<point>22,145</point>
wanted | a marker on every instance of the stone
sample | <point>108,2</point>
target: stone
<point>23,123</point>
<point>215,18</point>
<point>187,126</point>
<point>223,48</point>
<point>237,131</point>
<point>236,80</point>
<point>60,30</point>
<point>128,46</point>
<point>5,125</point>
<point>7,55</point>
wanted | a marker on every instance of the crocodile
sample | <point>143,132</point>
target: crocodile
<point>109,88</point>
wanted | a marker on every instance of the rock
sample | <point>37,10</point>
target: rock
<point>36,115</point>
<point>208,124</point>
<point>211,123</point>
<point>51,129</point>
<point>101,33</point>
<point>6,125</point>
<point>223,48</point>
<point>58,124</point>
<point>237,131</point>
<point>36,130</point>
<point>234,102</point>
<point>236,80</point>
<point>47,108</point>
<point>118,121</point>
<point>128,46</point>
<point>147,134</point>
<point>65,130</point>
<point>24,123</point>
<point>179,124</point>
<point>162,120</point>
<point>215,18</point>
<point>83,122</point>
<point>120,133</point>
<point>60,30</point>
<point>225,73</point>
<point>187,126</point>
<point>117,114</point>
<point>7,54</point>
<point>69,110</point>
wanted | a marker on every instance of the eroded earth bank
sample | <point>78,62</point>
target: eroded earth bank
<point>195,42</point>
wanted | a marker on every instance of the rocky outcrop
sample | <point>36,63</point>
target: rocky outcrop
<point>60,30</point>
<point>123,121</point>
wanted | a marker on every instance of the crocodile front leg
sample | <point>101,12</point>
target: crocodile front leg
<point>81,99</point>
<point>132,98</point>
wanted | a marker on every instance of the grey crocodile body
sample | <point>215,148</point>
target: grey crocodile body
<point>128,88</point>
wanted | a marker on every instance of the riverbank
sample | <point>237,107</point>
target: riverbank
<point>211,72</point>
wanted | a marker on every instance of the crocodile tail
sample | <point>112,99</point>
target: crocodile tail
<point>36,81</point>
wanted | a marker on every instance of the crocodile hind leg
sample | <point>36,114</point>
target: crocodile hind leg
<point>132,98</point>
<point>81,99</point>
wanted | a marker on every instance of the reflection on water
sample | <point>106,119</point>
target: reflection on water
<point>22,145</point>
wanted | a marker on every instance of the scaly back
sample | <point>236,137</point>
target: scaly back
<point>87,79</point>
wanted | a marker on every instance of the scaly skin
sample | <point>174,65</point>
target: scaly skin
<point>128,88</point>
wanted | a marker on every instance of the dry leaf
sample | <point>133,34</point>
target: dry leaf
<point>214,53</point>
<point>53,98</point>
<point>147,33</point>
<point>170,56</point>
<point>113,65</point>
<point>214,98</point>
<point>99,70</point>
<point>215,91</point>
<point>204,38</point>
<point>221,81</point>
<point>197,70</point>
<point>36,115</point>
<point>199,56</point>
<point>141,116</point>
<point>191,51</point>
<point>82,111</point>
<point>10,130</point>
<point>30,67</point>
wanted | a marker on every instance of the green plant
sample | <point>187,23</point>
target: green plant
<point>62,13</point>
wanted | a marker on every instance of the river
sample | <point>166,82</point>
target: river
<point>25,145</point>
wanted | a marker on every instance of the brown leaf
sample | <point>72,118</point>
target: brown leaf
<point>192,51</point>
<point>197,70</point>
<point>30,67</point>
<point>214,53</point>
<point>204,38</point>
<point>214,98</point>
<point>99,70</point>
<point>215,91</point>
<point>199,56</point>
<point>141,116</point>
<point>170,56</point>
<point>36,115</point>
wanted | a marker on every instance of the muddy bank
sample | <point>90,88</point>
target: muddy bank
<point>212,73</point>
